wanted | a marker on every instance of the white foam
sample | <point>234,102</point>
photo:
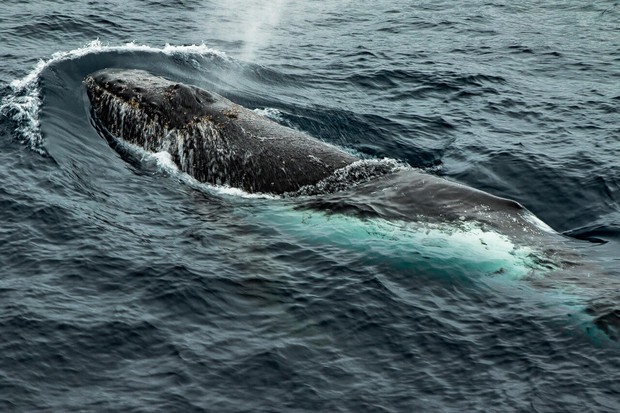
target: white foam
<point>235,192</point>
<point>164,161</point>
<point>24,103</point>
<point>271,113</point>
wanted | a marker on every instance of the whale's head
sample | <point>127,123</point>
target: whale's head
<point>173,103</point>
<point>209,137</point>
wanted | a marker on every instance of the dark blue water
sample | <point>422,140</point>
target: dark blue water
<point>127,286</point>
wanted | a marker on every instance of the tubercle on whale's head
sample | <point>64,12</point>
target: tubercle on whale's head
<point>126,81</point>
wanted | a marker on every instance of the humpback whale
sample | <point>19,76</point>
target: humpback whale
<point>220,142</point>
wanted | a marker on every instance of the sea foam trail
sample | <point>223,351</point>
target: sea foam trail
<point>23,104</point>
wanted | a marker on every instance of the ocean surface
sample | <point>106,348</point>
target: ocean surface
<point>127,286</point>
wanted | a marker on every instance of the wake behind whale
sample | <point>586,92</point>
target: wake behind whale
<point>219,142</point>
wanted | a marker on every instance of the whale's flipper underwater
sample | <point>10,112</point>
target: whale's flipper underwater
<point>364,203</point>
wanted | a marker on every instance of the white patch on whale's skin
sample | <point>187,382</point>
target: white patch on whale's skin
<point>537,222</point>
<point>315,159</point>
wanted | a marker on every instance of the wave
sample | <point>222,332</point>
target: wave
<point>23,103</point>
